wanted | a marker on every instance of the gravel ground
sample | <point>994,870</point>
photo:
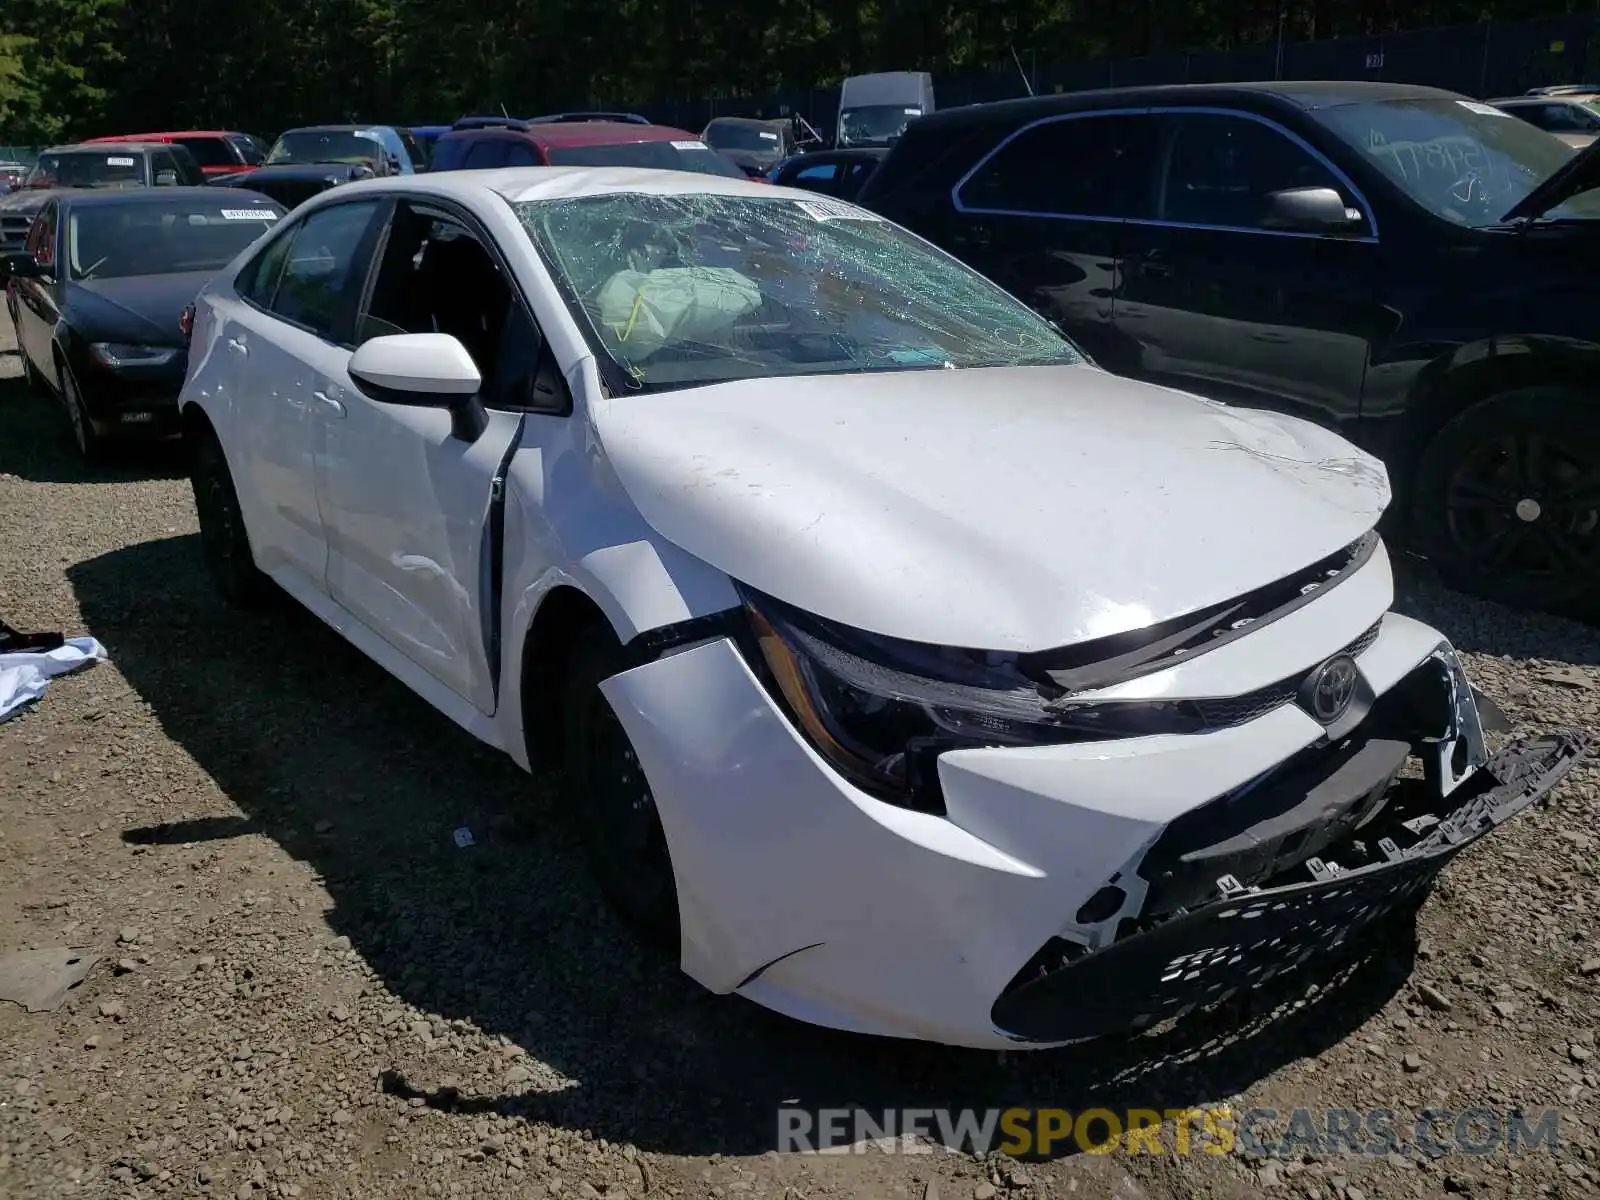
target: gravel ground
<point>305,988</point>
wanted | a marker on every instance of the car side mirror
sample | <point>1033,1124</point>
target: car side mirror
<point>19,264</point>
<point>1311,210</point>
<point>423,370</point>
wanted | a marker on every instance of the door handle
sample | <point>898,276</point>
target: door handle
<point>334,408</point>
<point>238,347</point>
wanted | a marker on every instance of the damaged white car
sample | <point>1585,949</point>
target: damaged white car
<point>912,675</point>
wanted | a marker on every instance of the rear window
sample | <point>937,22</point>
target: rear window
<point>449,154</point>
<point>83,168</point>
<point>209,151</point>
<point>685,155</point>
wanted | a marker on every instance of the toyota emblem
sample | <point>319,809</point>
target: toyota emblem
<point>1332,687</point>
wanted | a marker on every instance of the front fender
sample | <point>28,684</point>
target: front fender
<point>593,540</point>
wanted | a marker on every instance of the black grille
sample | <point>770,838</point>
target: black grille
<point>13,232</point>
<point>1236,710</point>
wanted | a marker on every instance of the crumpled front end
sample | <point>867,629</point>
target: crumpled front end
<point>1330,762</point>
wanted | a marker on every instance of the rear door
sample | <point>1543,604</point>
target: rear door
<point>293,325</point>
<point>36,306</point>
<point>1042,214</point>
<point>1211,301</point>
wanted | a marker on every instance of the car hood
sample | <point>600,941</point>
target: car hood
<point>1580,173</point>
<point>1010,509</point>
<point>143,309</point>
<point>328,172</point>
<point>26,203</point>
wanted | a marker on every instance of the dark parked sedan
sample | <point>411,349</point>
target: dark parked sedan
<point>97,295</point>
<point>840,173</point>
<point>1415,268</point>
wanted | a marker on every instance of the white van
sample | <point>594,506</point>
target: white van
<point>874,110</point>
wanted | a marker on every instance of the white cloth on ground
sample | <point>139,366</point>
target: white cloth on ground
<point>24,675</point>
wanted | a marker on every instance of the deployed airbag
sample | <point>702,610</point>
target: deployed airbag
<point>645,310</point>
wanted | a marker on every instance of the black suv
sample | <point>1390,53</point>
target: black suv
<point>1417,269</point>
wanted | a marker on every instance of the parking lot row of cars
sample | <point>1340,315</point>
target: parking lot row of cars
<point>935,547</point>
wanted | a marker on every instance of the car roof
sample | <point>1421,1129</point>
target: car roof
<point>151,195</point>
<point>351,127</point>
<point>763,122</point>
<point>161,137</point>
<point>1306,94</point>
<point>583,133</point>
<point>102,147</point>
<point>517,184</point>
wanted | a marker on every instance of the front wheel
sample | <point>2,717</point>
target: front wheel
<point>90,442</point>
<point>222,532</point>
<point>611,799</point>
<point>1507,501</point>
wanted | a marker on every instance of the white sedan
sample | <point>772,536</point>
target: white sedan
<point>912,674</point>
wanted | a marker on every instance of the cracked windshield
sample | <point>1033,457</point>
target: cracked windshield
<point>685,290</point>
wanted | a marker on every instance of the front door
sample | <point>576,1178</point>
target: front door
<point>1213,302</point>
<point>405,500</point>
<point>1043,216</point>
<point>296,312</point>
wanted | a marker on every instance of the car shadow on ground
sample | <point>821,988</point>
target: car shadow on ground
<point>36,443</point>
<point>352,774</point>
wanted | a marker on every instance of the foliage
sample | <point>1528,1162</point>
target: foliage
<point>85,67</point>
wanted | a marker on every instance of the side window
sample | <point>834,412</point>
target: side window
<point>258,282</point>
<point>1564,118</point>
<point>488,152</point>
<point>249,152</point>
<point>41,241</point>
<point>322,274</point>
<point>1088,166</point>
<point>521,154</point>
<point>819,173</point>
<point>419,161</point>
<point>437,277</point>
<point>1221,169</point>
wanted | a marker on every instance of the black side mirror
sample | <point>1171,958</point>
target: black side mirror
<point>19,264</point>
<point>1311,210</point>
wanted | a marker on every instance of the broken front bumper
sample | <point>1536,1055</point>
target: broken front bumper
<point>806,895</point>
<point>1211,953</point>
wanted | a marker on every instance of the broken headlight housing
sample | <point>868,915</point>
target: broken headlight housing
<point>881,710</point>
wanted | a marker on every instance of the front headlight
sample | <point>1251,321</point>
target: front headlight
<point>125,354</point>
<point>881,710</point>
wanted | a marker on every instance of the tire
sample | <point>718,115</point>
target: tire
<point>610,798</point>
<point>1506,501</point>
<point>222,533</point>
<point>92,445</point>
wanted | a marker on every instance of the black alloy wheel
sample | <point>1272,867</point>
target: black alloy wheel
<point>1508,502</point>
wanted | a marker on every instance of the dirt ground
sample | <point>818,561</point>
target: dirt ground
<point>305,988</point>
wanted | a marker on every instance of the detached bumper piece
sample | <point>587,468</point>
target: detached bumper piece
<point>1207,954</point>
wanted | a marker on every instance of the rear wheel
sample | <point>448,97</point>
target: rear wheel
<point>1507,501</point>
<point>222,531</point>
<point>611,798</point>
